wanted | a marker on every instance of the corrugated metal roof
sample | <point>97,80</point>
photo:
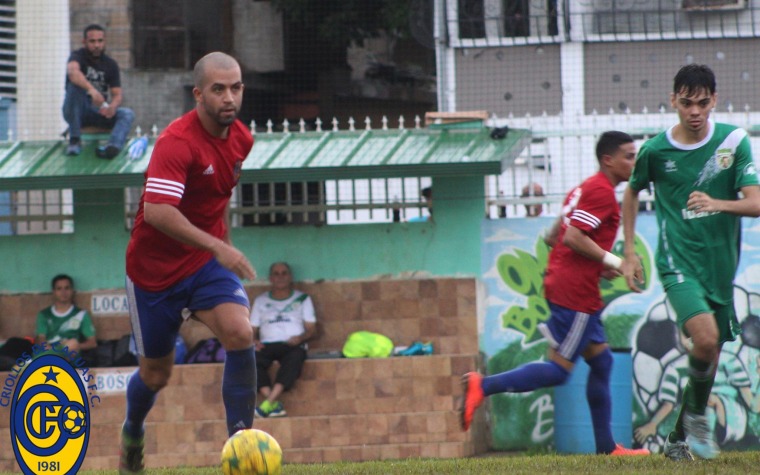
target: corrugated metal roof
<point>305,156</point>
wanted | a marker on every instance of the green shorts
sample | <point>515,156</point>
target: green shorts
<point>689,298</point>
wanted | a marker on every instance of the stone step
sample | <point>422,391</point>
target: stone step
<point>340,409</point>
<point>308,439</point>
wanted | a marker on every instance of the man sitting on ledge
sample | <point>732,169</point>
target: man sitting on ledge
<point>90,75</point>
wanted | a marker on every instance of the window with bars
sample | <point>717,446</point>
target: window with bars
<point>506,18</point>
<point>8,49</point>
<point>317,203</point>
<point>36,212</point>
<point>174,34</point>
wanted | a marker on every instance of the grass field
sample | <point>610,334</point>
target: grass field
<point>728,463</point>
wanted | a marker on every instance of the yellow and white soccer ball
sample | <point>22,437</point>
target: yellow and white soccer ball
<point>251,452</point>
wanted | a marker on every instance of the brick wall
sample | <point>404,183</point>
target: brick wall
<point>441,310</point>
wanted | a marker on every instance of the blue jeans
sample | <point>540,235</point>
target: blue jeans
<point>79,112</point>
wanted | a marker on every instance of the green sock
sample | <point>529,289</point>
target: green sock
<point>678,433</point>
<point>700,383</point>
<point>266,406</point>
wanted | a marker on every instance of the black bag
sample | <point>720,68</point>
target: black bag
<point>209,350</point>
<point>14,347</point>
<point>114,353</point>
<point>11,350</point>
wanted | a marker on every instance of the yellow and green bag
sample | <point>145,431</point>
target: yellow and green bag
<point>364,344</point>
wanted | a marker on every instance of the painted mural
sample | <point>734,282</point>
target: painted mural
<point>513,263</point>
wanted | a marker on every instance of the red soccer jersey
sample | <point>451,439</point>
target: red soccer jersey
<point>196,172</point>
<point>572,280</point>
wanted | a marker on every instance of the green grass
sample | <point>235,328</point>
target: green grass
<point>728,463</point>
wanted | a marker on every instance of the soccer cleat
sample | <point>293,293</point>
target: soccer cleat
<point>677,451</point>
<point>131,457</point>
<point>621,451</point>
<point>699,436</point>
<point>415,348</point>
<point>472,398</point>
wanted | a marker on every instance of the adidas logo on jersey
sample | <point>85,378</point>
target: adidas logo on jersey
<point>241,293</point>
<point>209,170</point>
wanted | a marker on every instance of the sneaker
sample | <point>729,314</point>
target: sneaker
<point>277,410</point>
<point>472,398</point>
<point>107,151</point>
<point>677,451</point>
<point>427,349</point>
<point>270,409</point>
<point>73,149</point>
<point>131,458</point>
<point>263,410</point>
<point>621,451</point>
<point>699,436</point>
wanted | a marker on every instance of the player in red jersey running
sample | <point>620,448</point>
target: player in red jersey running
<point>581,239</point>
<point>180,260</point>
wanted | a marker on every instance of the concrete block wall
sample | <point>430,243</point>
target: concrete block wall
<point>439,310</point>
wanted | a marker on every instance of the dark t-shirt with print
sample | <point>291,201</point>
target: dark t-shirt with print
<point>102,72</point>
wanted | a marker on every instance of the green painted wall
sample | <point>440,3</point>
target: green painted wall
<point>94,253</point>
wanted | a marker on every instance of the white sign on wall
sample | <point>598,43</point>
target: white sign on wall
<point>109,304</point>
<point>112,382</point>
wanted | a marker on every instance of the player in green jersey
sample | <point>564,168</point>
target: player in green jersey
<point>704,182</point>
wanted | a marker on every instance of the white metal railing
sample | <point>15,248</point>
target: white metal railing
<point>488,23</point>
<point>560,156</point>
<point>562,153</point>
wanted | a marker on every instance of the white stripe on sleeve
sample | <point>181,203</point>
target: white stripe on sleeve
<point>165,187</point>
<point>587,218</point>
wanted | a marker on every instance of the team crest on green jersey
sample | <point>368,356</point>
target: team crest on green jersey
<point>724,158</point>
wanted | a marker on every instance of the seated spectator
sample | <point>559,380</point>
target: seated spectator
<point>91,77</point>
<point>532,190</point>
<point>427,195</point>
<point>283,321</point>
<point>65,323</point>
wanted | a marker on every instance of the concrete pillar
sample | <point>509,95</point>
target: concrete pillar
<point>42,48</point>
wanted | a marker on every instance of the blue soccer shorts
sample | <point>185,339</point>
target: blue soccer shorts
<point>569,332</point>
<point>157,316</point>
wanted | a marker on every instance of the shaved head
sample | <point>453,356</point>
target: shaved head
<point>215,60</point>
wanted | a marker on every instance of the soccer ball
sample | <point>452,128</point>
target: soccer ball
<point>251,452</point>
<point>73,420</point>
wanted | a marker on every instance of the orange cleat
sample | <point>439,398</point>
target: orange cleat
<point>472,398</point>
<point>621,451</point>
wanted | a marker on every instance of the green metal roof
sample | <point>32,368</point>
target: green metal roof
<point>304,156</point>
